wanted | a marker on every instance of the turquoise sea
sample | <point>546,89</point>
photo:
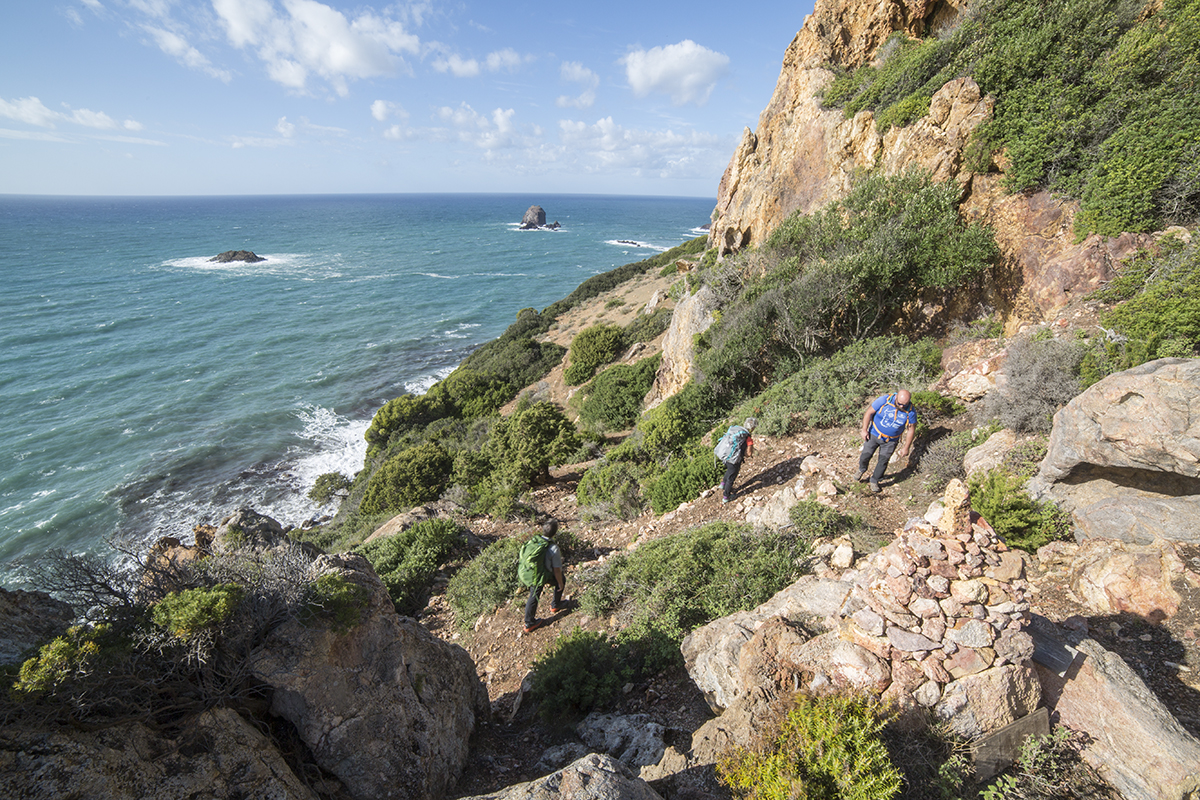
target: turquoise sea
<point>145,389</point>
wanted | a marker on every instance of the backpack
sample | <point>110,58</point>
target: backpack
<point>531,564</point>
<point>731,443</point>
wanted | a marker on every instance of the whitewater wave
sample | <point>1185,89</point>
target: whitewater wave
<point>636,245</point>
<point>425,383</point>
<point>301,266</point>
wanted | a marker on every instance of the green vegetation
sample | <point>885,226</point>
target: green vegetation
<point>684,478</point>
<point>840,275</point>
<point>613,399</point>
<point>1050,767</point>
<point>407,561</point>
<point>611,490</point>
<point>581,672</point>
<point>411,477</point>
<point>812,520</point>
<point>73,658</point>
<point>193,610</point>
<point>485,582</point>
<point>1092,101</point>
<point>592,348</point>
<point>336,601</point>
<point>328,486</point>
<point>1000,498</point>
<point>827,748</point>
<point>667,587</point>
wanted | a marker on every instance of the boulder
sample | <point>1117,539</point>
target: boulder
<point>1124,456</point>
<point>535,217</point>
<point>246,528</point>
<point>986,701</point>
<point>1112,577</point>
<point>29,620</point>
<point>1136,745</point>
<point>693,315</point>
<point>237,255</point>
<point>990,454</point>
<point>385,706</point>
<point>632,739</point>
<point>593,777</point>
<point>216,756</point>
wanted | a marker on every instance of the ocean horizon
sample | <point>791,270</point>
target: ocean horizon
<point>146,389</point>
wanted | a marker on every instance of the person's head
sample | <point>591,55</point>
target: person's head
<point>903,397</point>
<point>750,424</point>
<point>549,528</point>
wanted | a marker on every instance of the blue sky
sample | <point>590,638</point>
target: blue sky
<point>169,97</point>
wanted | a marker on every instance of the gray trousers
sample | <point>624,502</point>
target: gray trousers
<point>885,448</point>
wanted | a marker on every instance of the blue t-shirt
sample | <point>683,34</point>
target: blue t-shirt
<point>890,420</point>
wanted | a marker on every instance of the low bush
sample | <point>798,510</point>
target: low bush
<point>411,477</point>
<point>942,460</point>
<point>667,587</point>
<point>581,672</point>
<point>812,520</point>
<point>485,582</point>
<point>645,327</point>
<point>1043,376</point>
<point>336,601</point>
<point>193,610</point>
<point>71,659</point>
<point>679,421</point>
<point>611,490</point>
<point>827,748</point>
<point>405,413</point>
<point>613,399</point>
<point>476,394</point>
<point>1050,767</point>
<point>591,348</point>
<point>684,479</point>
<point>406,562</point>
<point>329,485</point>
<point>1000,498</point>
<point>524,445</point>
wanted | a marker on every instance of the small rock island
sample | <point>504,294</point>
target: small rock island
<point>237,255</point>
<point>535,217</point>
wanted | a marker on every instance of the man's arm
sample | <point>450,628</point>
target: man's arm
<point>749,446</point>
<point>868,415</point>
<point>558,577</point>
<point>910,432</point>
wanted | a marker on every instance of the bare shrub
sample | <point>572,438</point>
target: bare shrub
<point>1043,376</point>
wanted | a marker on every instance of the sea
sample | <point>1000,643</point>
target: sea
<point>145,389</point>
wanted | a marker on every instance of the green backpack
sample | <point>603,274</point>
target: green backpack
<point>531,564</point>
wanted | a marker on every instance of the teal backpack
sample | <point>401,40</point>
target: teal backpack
<point>731,443</point>
<point>531,564</point>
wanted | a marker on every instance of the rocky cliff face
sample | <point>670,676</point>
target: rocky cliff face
<point>802,156</point>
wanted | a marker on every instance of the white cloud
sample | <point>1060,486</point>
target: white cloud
<point>458,66</point>
<point>178,48</point>
<point>575,72</point>
<point>503,59</point>
<point>686,71</point>
<point>605,145</point>
<point>306,38</point>
<point>488,132</point>
<point>506,59</point>
<point>382,110</point>
<point>29,110</point>
<point>284,128</point>
<point>32,111</point>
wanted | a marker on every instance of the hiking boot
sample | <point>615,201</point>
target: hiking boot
<point>875,488</point>
<point>533,626</point>
<point>862,478</point>
<point>724,499</point>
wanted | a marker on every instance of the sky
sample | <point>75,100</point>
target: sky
<point>232,97</point>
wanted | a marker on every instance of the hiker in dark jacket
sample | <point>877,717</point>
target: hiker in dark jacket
<point>886,418</point>
<point>733,464</point>
<point>554,566</point>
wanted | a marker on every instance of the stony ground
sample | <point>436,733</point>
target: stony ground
<point>508,748</point>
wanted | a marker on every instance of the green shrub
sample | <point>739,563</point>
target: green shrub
<point>812,520</point>
<point>1050,767</point>
<point>407,561</point>
<point>1043,376</point>
<point>667,587</point>
<point>581,672</point>
<point>613,399</point>
<point>684,479</point>
<point>475,394</point>
<point>336,601</point>
<point>328,486</point>
<point>193,610</point>
<point>679,421</point>
<point>413,476</point>
<point>592,348</point>
<point>526,443</point>
<point>645,327</point>
<point>405,413</point>
<point>485,582</point>
<point>827,748</point>
<point>611,490</point>
<point>75,656</point>
<point>1000,498</point>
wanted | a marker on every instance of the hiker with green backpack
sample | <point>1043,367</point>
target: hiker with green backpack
<point>733,449</point>
<point>885,419</point>
<point>540,562</point>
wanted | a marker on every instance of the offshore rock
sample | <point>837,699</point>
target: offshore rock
<point>237,255</point>
<point>593,777</point>
<point>29,620</point>
<point>218,755</point>
<point>535,217</point>
<point>385,706</point>
<point>1124,456</point>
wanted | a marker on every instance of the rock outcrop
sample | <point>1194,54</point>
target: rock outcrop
<point>593,777</point>
<point>535,217</point>
<point>237,255</point>
<point>385,706</point>
<point>693,315</point>
<point>28,620</point>
<point>1124,456</point>
<point>218,755</point>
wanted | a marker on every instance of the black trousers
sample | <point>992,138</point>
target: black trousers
<point>531,604</point>
<point>731,473</point>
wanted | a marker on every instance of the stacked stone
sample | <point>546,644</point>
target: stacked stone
<point>940,603</point>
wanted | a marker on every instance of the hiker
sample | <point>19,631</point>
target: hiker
<point>541,559</point>
<point>734,448</point>
<point>885,419</point>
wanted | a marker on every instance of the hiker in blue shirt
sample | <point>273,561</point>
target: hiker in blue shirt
<point>888,416</point>
<point>554,566</point>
